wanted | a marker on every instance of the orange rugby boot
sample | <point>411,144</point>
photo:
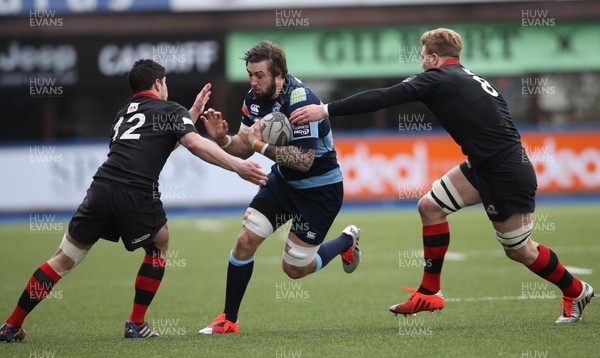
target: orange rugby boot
<point>220,326</point>
<point>419,302</point>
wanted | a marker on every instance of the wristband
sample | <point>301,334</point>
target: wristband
<point>326,109</point>
<point>264,149</point>
<point>229,141</point>
<point>261,148</point>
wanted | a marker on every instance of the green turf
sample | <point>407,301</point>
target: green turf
<point>324,315</point>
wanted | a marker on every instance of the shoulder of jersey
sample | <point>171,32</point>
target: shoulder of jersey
<point>169,105</point>
<point>300,92</point>
<point>433,73</point>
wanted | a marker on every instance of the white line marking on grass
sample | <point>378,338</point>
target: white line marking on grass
<point>210,225</point>
<point>579,270</point>
<point>455,256</point>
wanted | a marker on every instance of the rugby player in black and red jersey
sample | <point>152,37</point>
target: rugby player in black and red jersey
<point>497,173</point>
<point>123,200</point>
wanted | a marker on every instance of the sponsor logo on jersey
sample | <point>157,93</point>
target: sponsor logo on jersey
<point>187,121</point>
<point>311,235</point>
<point>132,107</point>
<point>254,108</point>
<point>408,79</point>
<point>301,131</point>
<point>276,107</point>
<point>298,95</point>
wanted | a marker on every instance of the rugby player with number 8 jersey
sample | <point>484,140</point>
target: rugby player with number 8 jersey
<point>497,171</point>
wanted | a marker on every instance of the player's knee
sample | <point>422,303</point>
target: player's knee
<point>61,263</point>
<point>161,239</point>
<point>512,254</point>
<point>294,272</point>
<point>517,244</point>
<point>297,259</point>
<point>525,255</point>
<point>444,196</point>
<point>245,245</point>
<point>521,255</point>
<point>154,250</point>
<point>427,209</point>
<point>68,257</point>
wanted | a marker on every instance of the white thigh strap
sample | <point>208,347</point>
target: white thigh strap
<point>256,222</point>
<point>515,239</point>
<point>444,194</point>
<point>299,256</point>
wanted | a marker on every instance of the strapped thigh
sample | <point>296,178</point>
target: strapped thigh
<point>444,194</point>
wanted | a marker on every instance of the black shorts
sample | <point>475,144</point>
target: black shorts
<point>312,210</point>
<point>506,189</point>
<point>111,212</point>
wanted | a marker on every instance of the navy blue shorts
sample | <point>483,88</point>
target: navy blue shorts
<point>312,210</point>
<point>506,189</point>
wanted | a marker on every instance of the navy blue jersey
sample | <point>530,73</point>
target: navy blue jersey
<point>144,134</point>
<point>468,107</point>
<point>316,135</point>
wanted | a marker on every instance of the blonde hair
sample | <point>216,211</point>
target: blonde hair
<point>444,42</point>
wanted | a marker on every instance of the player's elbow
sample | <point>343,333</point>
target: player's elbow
<point>304,164</point>
<point>307,163</point>
<point>192,142</point>
<point>304,168</point>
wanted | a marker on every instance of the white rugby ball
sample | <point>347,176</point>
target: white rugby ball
<point>276,128</point>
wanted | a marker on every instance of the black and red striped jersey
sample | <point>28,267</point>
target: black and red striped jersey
<point>471,110</point>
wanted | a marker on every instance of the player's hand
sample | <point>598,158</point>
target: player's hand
<point>251,172</point>
<point>305,114</point>
<point>254,134</point>
<point>200,101</point>
<point>216,126</point>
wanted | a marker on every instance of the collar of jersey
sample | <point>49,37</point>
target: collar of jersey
<point>450,62</point>
<point>145,94</point>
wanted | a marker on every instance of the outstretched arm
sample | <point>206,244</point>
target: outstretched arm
<point>364,102</point>
<point>209,152</point>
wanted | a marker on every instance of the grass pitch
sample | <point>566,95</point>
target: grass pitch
<point>494,307</point>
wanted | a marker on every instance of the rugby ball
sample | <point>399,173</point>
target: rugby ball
<point>276,128</point>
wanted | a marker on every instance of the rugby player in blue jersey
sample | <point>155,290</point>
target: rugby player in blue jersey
<point>304,186</point>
